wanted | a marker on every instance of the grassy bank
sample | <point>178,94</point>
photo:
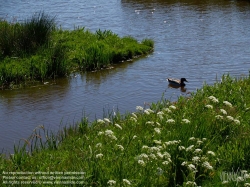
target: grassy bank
<point>38,50</point>
<point>202,140</point>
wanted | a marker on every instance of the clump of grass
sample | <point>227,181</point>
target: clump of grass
<point>187,143</point>
<point>37,50</point>
<point>20,39</point>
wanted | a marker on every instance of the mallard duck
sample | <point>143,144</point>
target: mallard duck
<point>177,82</point>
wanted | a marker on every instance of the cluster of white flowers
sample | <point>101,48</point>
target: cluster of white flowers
<point>134,115</point>
<point>157,130</point>
<point>181,148</point>
<point>139,108</point>
<point>150,123</point>
<point>110,134</point>
<point>98,145</point>
<point>191,183</point>
<point>100,121</point>
<point>223,111</point>
<point>120,147</point>
<point>211,153</point>
<point>213,99</point>
<point>99,155</point>
<point>186,121</point>
<point>172,107</point>
<point>148,111</point>
<point>190,148</point>
<point>209,106</point>
<point>173,142</point>
<point>111,182</point>
<point>192,168</point>
<point>118,126</point>
<point>207,165</point>
<point>227,103</point>
<point>167,110</point>
<point>218,117</point>
<point>157,141</point>
<point>133,119</point>
<point>141,162</point>
<point>127,182</point>
<point>170,121</point>
<point>197,151</point>
<point>106,120</point>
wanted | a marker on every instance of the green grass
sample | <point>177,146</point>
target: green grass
<point>37,50</point>
<point>201,140</point>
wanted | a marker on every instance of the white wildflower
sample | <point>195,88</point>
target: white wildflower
<point>172,107</point>
<point>227,103</point>
<point>196,159</point>
<point>192,167</point>
<point>185,121</point>
<point>191,183</point>
<point>181,148</point>
<point>120,147</point>
<point>134,115</point>
<point>160,113</point>
<point>236,121</point>
<point>98,145</point>
<point>167,110</point>
<point>141,162</point>
<point>157,141</point>
<point>126,181</point>
<point>189,148</point>
<point>111,182</point>
<point>143,156</point>
<point>157,130</point>
<point>184,163</point>
<point>157,123</point>
<point>150,123</point>
<point>223,111</point>
<point>139,108</point>
<point>118,126</point>
<point>160,155</point>
<point>166,155</point>
<point>100,121</point>
<point>110,134</point>
<point>211,153</point>
<point>152,149</point>
<point>246,184</point>
<point>134,137</point>
<point>199,142</point>
<point>209,106</point>
<point>153,156</point>
<point>170,121</point>
<point>100,133</point>
<point>219,117</point>
<point>197,151</point>
<point>145,147</point>
<point>133,119</point>
<point>165,162</point>
<point>174,142</point>
<point>224,182</point>
<point>192,138</point>
<point>106,120</point>
<point>146,112</point>
<point>99,155</point>
<point>204,139</point>
<point>207,165</point>
<point>213,99</point>
<point>230,118</point>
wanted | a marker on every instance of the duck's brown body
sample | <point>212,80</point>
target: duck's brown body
<point>177,82</point>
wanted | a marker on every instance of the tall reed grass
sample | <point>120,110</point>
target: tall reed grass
<point>201,140</point>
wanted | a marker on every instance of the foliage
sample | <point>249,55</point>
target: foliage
<point>202,140</point>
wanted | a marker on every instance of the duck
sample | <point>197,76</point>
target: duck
<point>177,82</point>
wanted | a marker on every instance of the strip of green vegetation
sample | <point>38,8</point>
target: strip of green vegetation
<point>37,50</point>
<point>202,140</point>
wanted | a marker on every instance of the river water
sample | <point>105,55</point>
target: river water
<point>198,41</point>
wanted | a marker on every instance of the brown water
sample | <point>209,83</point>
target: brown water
<point>198,41</point>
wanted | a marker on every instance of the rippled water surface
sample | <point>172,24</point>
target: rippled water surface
<point>197,41</point>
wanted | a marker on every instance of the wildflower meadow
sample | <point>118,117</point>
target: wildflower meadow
<point>199,140</point>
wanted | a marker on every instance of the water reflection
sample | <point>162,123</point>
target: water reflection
<point>182,88</point>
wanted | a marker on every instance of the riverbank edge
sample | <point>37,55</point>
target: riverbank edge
<point>198,140</point>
